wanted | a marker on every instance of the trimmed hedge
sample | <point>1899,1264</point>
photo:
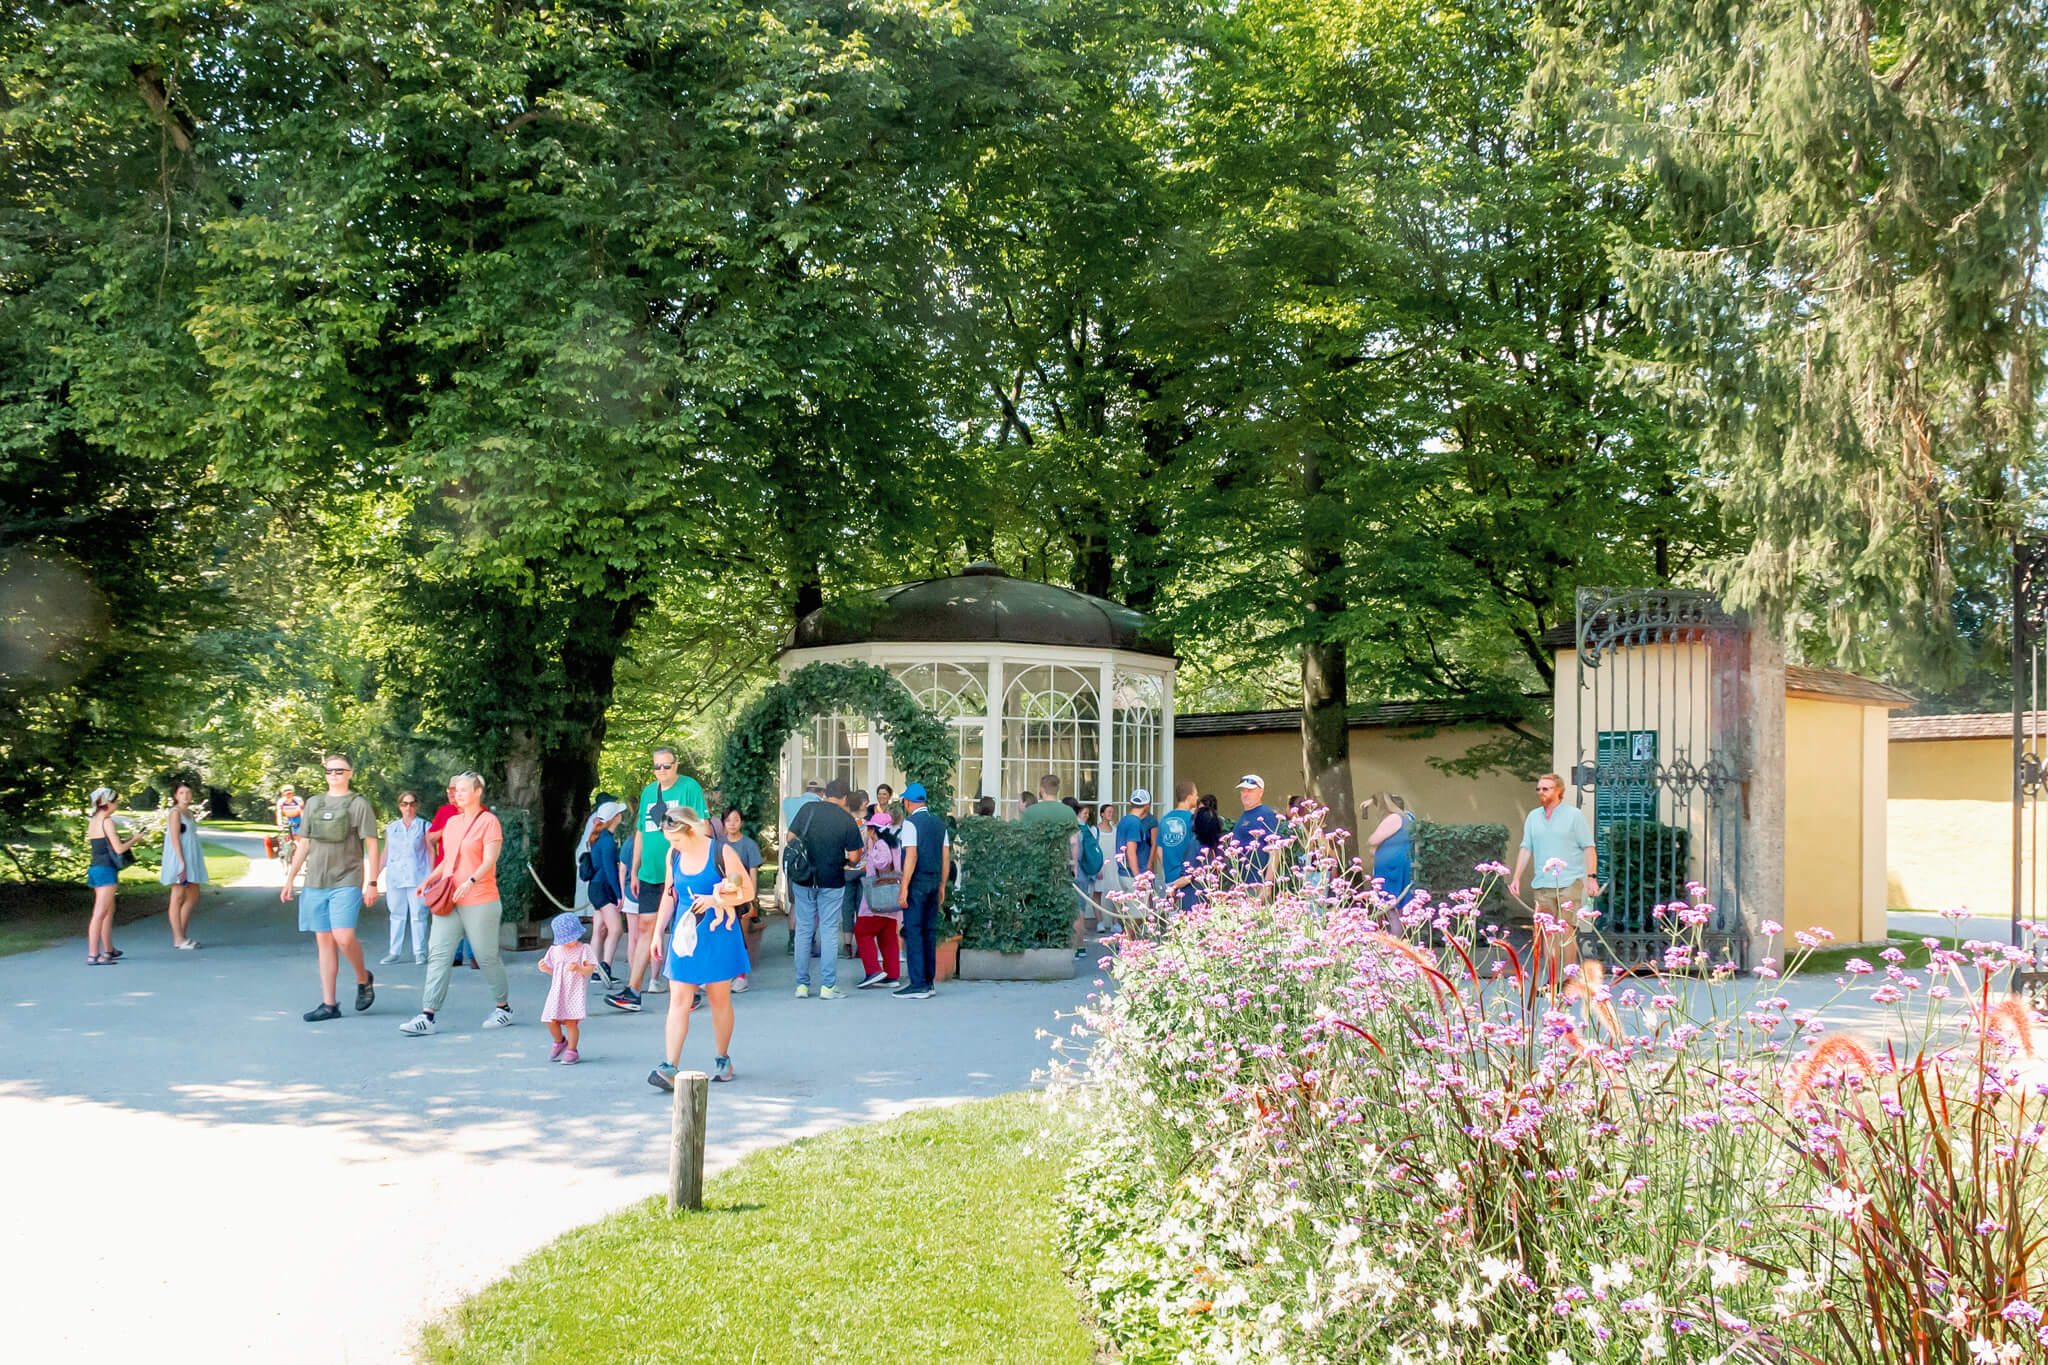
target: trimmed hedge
<point>1646,864</point>
<point>1446,856</point>
<point>515,884</point>
<point>1017,888</point>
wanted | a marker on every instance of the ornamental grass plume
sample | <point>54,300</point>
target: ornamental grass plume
<point>1323,1128</point>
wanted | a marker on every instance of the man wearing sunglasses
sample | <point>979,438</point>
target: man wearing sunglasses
<point>645,873</point>
<point>337,848</point>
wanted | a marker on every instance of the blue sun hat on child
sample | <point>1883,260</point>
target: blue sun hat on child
<point>566,928</point>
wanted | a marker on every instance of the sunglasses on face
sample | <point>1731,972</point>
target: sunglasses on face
<point>664,767</point>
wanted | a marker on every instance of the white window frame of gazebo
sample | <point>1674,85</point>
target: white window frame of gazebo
<point>999,662</point>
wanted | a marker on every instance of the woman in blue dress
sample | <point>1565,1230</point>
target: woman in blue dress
<point>1392,843</point>
<point>699,924</point>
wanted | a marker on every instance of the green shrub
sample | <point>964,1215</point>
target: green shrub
<point>1446,857</point>
<point>1018,890</point>
<point>1646,864</point>
<point>31,856</point>
<point>515,883</point>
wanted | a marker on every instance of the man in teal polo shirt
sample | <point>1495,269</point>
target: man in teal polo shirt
<point>1557,839</point>
<point>644,862</point>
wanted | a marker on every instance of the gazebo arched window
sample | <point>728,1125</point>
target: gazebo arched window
<point>835,746</point>
<point>1137,727</point>
<point>958,695</point>
<point>1052,723</point>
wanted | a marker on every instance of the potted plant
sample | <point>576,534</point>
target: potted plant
<point>1015,905</point>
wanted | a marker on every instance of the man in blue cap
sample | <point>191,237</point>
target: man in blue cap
<point>927,858</point>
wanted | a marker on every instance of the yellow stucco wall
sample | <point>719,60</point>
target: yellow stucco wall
<point>1950,825</point>
<point>1824,817</point>
<point>1382,759</point>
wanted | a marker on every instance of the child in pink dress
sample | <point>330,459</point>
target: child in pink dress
<point>570,962</point>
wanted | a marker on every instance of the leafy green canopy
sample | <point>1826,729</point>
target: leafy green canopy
<point>1845,273</point>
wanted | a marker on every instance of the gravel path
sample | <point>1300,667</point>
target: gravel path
<point>206,1174</point>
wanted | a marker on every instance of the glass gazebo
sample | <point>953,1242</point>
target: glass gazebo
<point>1034,679</point>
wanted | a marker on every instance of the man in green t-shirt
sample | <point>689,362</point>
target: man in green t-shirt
<point>646,874</point>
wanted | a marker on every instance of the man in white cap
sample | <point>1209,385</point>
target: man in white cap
<point>1136,836</point>
<point>1258,823</point>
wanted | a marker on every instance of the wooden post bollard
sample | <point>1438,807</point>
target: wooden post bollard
<point>686,1141</point>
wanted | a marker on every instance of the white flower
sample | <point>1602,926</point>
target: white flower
<point>1725,1271</point>
<point>1447,1181</point>
<point>1616,1276</point>
<point>1983,1351</point>
<point>1557,1358</point>
<point>1494,1269</point>
<point>1842,1203</point>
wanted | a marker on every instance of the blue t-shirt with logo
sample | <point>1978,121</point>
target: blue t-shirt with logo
<point>1176,843</point>
<point>1131,830</point>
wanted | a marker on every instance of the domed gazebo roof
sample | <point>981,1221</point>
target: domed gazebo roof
<point>982,605</point>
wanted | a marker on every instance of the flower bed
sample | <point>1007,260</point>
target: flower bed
<point>1316,1141</point>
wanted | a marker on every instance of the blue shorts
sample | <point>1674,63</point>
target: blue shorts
<point>324,909</point>
<point>97,875</point>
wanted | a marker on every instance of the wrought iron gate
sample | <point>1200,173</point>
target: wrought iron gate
<point>1662,756</point>
<point>2029,755</point>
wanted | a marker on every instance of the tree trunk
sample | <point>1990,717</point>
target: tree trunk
<point>1326,732</point>
<point>566,772</point>
<point>1325,697</point>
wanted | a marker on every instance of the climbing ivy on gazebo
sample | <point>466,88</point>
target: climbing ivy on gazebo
<point>919,742</point>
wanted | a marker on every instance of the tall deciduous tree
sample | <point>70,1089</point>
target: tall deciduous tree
<point>1410,454</point>
<point>1846,274</point>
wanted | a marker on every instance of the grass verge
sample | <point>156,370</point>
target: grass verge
<point>33,917</point>
<point>1832,961</point>
<point>928,1238</point>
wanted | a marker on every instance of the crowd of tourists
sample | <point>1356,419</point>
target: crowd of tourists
<point>670,904</point>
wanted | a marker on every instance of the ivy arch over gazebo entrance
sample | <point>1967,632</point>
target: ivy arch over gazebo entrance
<point>921,743</point>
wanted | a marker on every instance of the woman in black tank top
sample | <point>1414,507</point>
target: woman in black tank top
<point>101,874</point>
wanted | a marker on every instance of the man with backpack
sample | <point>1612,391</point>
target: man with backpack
<point>337,848</point>
<point>820,844</point>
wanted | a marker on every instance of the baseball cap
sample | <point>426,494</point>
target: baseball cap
<point>836,789</point>
<point>1140,797</point>
<point>814,785</point>
<point>914,792</point>
<point>609,809</point>
<point>1251,780</point>
<point>880,820</point>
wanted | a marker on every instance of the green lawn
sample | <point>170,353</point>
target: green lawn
<point>33,917</point>
<point>927,1239</point>
<point>1831,961</point>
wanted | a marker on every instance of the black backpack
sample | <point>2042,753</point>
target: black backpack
<point>797,868</point>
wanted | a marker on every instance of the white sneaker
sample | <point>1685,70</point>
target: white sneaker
<point>387,959</point>
<point>498,1018</point>
<point>419,1026</point>
<point>830,993</point>
<point>419,959</point>
<point>803,992</point>
<point>189,944</point>
<point>739,984</point>
<point>658,986</point>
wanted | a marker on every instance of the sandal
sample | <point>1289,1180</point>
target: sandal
<point>101,961</point>
<point>113,953</point>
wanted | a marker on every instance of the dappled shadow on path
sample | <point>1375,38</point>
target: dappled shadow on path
<point>215,1037</point>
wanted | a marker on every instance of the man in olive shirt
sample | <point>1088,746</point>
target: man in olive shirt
<point>1048,809</point>
<point>337,849</point>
